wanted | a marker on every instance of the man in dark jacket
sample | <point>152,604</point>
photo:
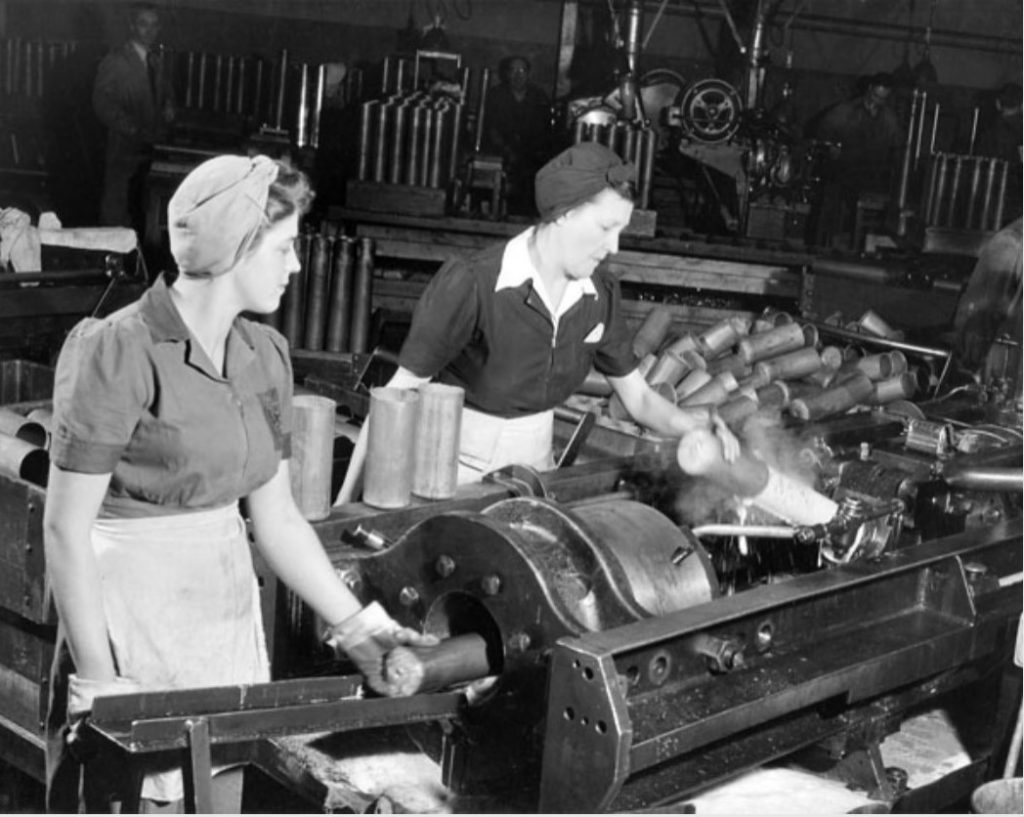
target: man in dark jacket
<point>131,99</point>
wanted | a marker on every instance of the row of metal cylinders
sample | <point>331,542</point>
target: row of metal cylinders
<point>327,305</point>
<point>409,139</point>
<point>964,192</point>
<point>631,143</point>
<point>26,63</point>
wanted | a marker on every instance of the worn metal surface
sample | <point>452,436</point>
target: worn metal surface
<point>626,705</point>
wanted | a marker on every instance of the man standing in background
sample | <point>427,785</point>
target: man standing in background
<point>131,99</point>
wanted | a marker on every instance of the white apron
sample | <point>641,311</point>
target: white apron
<point>182,607</point>
<point>488,443</point>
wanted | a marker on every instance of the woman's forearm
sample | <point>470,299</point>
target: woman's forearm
<point>75,584</point>
<point>295,554</point>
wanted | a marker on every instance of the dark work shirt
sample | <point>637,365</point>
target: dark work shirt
<point>137,397</point>
<point>502,345</point>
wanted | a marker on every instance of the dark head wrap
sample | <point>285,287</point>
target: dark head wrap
<point>217,210</point>
<point>577,174</point>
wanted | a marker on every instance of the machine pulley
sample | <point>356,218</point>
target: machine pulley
<point>710,111</point>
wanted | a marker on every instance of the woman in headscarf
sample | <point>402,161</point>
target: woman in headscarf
<point>519,325</point>
<point>166,414</point>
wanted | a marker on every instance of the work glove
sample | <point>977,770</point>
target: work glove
<point>730,445</point>
<point>81,694</point>
<point>367,637</point>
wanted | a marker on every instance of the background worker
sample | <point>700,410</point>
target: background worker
<point>131,97</point>
<point>166,414</point>
<point>519,325</point>
<point>517,122</point>
<point>867,133</point>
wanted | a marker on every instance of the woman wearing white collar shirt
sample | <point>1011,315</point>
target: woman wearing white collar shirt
<point>518,325</point>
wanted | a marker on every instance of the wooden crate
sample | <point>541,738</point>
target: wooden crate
<point>379,197</point>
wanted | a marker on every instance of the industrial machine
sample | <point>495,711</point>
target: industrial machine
<point>621,652</point>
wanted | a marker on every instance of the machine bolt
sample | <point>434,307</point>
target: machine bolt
<point>445,565</point>
<point>518,642</point>
<point>408,596</point>
<point>491,584</point>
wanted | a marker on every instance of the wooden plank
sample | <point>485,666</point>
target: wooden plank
<point>704,273</point>
<point>21,700</point>
<point>396,198</point>
<point>69,300</point>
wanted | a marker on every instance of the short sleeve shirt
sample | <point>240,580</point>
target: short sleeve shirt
<point>137,397</point>
<point>504,347</point>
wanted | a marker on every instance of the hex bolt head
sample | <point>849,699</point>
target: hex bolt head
<point>445,566</point>
<point>519,642</point>
<point>408,596</point>
<point>491,584</point>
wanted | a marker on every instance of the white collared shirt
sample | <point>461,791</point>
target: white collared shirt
<point>517,267</point>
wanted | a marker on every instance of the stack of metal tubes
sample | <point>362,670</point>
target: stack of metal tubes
<point>631,142</point>
<point>773,363</point>
<point>955,191</point>
<point>327,306</point>
<point>24,443</point>
<point>964,192</point>
<point>26,66</point>
<point>410,138</point>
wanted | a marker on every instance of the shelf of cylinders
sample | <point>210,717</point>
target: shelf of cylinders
<point>327,305</point>
<point>279,95</point>
<point>413,136</point>
<point>957,191</point>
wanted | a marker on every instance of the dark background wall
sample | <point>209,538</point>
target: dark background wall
<point>976,44</point>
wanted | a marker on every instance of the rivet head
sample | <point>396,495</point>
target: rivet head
<point>491,584</point>
<point>519,642</point>
<point>445,566</point>
<point>408,596</point>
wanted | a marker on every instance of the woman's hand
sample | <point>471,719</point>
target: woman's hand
<point>367,637</point>
<point>730,445</point>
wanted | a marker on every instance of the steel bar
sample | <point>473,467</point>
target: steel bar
<point>282,81</point>
<point>908,147</point>
<point>318,105</point>
<point>756,531</point>
<point>366,118</point>
<point>940,191</point>
<point>972,201</point>
<point>974,130</point>
<point>243,76</point>
<point>317,291</point>
<point>990,191</point>
<point>1001,195</point>
<point>230,83</point>
<point>201,83</point>
<point>426,131</point>
<point>385,75</point>
<point>398,138</point>
<point>218,70</point>
<point>922,113</point>
<point>380,153</point>
<point>456,143</point>
<point>647,170</point>
<point>954,192</point>
<point>413,159</point>
<point>935,128</point>
<point>481,109</point>
<point>362,293</point>
<point>302,113</point>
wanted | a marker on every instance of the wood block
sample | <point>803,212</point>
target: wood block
<point>378,197</point>
<point>642,222</point>
<point>22,579</point>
